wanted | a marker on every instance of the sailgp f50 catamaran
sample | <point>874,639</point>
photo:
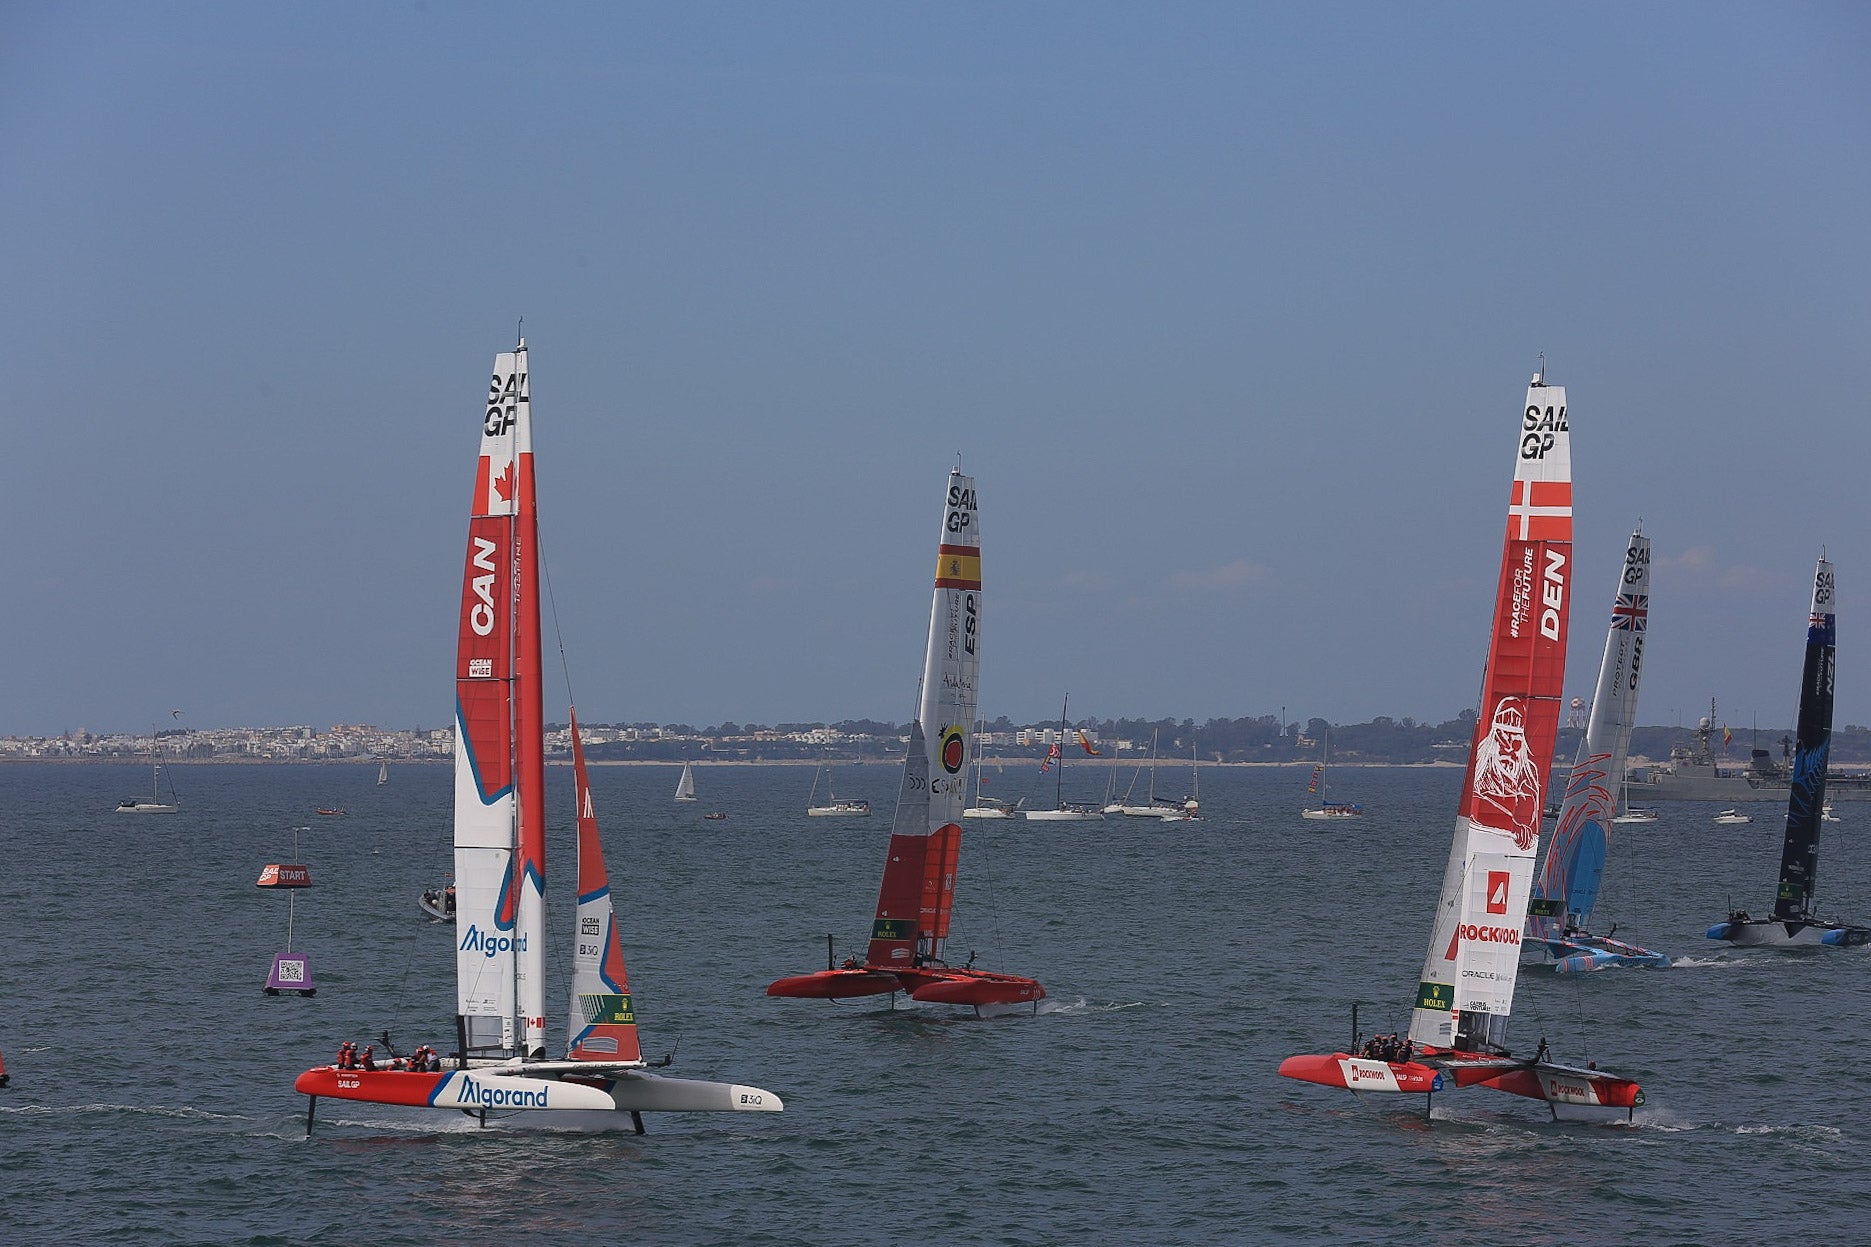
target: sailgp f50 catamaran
<point>500,1066</point>
<point>1458,1029</point>
<point>1568,883</point>
<point>1794,924</point>
<point>918,891</point>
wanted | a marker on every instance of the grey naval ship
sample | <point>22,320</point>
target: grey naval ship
<point>1691,774</point>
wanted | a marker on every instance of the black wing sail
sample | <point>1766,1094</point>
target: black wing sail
<point>1799,860</point>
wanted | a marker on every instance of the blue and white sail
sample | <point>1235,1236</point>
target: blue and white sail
<point>1566,889</point>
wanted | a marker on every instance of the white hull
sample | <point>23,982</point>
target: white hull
<point>839,811</point>
<point>1331,814</point>
<point>148,807</point>
<point>983,811</point>
<point>1064,816</point>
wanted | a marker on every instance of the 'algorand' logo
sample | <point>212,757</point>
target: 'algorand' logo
<point>491,945</point>
<point>485,1095</point>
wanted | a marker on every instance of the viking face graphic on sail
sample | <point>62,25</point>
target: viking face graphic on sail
<point>1507,780</point>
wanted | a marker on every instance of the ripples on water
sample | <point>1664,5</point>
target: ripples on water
<point>152,1098</point>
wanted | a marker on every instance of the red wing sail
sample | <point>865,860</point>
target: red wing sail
<point>904,930</point>
<point>603,1021</point>
<point>938,900</point>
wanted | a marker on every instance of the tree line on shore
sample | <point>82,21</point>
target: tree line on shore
<point>1381,741</point>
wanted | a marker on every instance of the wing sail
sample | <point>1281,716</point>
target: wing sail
<point>603,1021</point>
<point>1469,971</point>
<point>1567,888</point>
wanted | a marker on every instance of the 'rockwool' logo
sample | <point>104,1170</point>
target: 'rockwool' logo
<point>1488,935</point>
<point>1497,891</point>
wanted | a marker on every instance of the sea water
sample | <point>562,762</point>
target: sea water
<point>152,1095</point>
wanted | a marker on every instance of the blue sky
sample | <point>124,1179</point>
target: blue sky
<point>1229,308</point>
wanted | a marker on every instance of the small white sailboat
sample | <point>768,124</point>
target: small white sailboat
<point>1189,809</point>
<point>383,774</point>
<point>154,803</point>
<point>1327,809</point>
<point>988,807</point>
<point>1064,811</point>
<point>1628,813</point>
<point>500,1070</point>
<point>834,807</point>
<point>685,787</point>
<point>1149,808</point>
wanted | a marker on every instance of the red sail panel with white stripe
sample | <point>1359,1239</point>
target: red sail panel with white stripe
<point>1470,969</point>
<point>603,1022</point>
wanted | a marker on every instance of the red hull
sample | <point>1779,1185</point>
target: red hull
<point>971,987</point>
<point>834,985</point>
<point>936,986</point>
<point>1339,1069</point>
<point>374,1086</point>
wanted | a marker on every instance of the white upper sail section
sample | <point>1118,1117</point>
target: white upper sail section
<point>953,660</point>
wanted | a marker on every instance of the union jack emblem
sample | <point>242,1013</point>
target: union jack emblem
<point>1631,612</point>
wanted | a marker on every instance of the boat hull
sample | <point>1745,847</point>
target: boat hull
<point>972,987</point>
<point>463,1089</point>
<point>1582,952</point>
<point>835,985</point>
<point>1774,933</point>
<point>595,1103</point>
<point>1064,816</point>
<point>929,985</point>
<point>1341,1069</point>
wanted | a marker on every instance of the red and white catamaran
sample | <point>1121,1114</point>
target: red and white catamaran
<point>499,1066</point>
<point>918,892</point>
<point>1458,1028</point>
